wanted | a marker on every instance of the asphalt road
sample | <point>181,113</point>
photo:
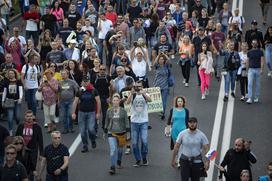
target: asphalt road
<point>251,122</point>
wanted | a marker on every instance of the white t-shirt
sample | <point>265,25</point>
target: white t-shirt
<point>31,78</point>
<point>139,112</point>
<point>239,19</point>
<point>89,28</point>
<point>31,25</point>
<point>4,23</point>
<point>139,68</point>
<point>105,27</point>
<point>21,40</point>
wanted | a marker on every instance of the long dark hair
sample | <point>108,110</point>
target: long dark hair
<point>267,31</point>
<point>204,43</point>
<point>53,5</point>
<point>76,69</point>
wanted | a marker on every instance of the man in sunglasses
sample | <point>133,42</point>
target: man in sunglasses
<point>13,169</point>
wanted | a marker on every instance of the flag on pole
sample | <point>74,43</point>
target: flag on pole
<point>211,155</point>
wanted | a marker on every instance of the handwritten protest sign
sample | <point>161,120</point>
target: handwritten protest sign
<point>154,106</point>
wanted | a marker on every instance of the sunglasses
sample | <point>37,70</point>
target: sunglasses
<point>18,143</point>
<point>52,66</point>
<point>10,153</point>
<point>102,69</point>
<point>56,137</point>
<point>123,60</point>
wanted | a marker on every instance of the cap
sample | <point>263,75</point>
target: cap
<point>192,119</point>
<point>254,22</point>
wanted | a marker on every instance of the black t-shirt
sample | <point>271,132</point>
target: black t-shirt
<point>134,12</point>
<point>17,172</point>
<point>197,41</point>
<point>55,157</point>
<point>87,100</point>
<point>3,135</point>
<point>254,58</point>
<point>73,19</point>
<point>49,22</point>
<point>101,83</point>
<point>233,61</point>
<point>64,33</point>
<point>13,89</point>
<point>55,57</point>
<point>5,66</point>
<point>89,62</point>
<point>165,47</point>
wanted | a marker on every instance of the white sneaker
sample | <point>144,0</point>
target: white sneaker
<point>269,74</point>
<point>249,101</point>
<point>10,133</point>
<point>203,97</point>
<point>184,81</point>
<point>186,85</point>
<point>45,125</point>
<point>127,152</point>
<point>207,92</point>
<point>256,100</point>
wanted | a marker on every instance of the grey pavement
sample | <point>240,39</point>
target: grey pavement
<point>253,122</point>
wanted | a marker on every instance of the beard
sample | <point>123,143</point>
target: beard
<point>192,129</point>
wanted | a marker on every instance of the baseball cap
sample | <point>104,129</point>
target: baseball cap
<point>254,22</point>
<point>192,119</point>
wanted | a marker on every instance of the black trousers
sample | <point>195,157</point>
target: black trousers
<point>185,69</point>
<point>243,85</point>
<point>104,108</point>
<point>190,170</point>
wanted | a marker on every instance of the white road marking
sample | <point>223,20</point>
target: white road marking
<point>74,145</point>
<point>217,125</point>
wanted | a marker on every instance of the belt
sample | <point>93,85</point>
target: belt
<point>191,159</point>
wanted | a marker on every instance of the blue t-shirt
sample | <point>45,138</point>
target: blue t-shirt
<point>254,58</point>
<point>263,178</point>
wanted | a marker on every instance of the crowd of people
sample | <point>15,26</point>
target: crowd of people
<point>78,58</point>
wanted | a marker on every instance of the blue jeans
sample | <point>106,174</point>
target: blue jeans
<point>139,133</point>
<point>268,56</point>
<point>115,151</point>
<point>17,111</point>
<point>254,73</point>
<point>65,114</point>
<point>121,7</point>
<point>164,94</point>
<point>230,80</point>
<point>86,122</point>
<point>31,100</point>
<point>224,29</point>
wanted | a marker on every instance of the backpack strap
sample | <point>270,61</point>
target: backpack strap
<point>27,67</point>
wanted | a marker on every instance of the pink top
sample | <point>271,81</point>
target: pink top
<point>57,13</point>
<point>49,96</point>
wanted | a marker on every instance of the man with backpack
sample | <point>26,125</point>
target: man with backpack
<point>240,20</point>
<point>29,77</point>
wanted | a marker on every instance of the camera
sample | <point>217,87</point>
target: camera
<point>45,81</point>
<point>135,44</point>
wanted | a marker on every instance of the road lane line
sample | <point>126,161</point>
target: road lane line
<point>216,125</point>
<point>227,128</point>
<point>74,145</point>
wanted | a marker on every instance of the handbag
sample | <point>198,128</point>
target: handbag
<point>9,103</point>
<point>171,78</point>
<point>244,73</point>
<point>121,139</point>
<point>39,96</point>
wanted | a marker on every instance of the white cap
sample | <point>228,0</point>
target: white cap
<point>73,41</point>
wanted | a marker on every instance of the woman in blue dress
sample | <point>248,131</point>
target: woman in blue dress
<point>178,119</point>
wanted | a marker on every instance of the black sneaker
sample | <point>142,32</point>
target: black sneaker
<point>93,144</point>
<point>226,98</point>
<point>149,127</point>
<point>145,162</point>
<point>137,164</point>
<point>233,95</point>
<point>162,117</point>
<point>119,164</point>
<point>85,149</point>
<point>112,170</point>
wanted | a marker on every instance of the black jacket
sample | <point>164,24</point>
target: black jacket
<point>236,162</point>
